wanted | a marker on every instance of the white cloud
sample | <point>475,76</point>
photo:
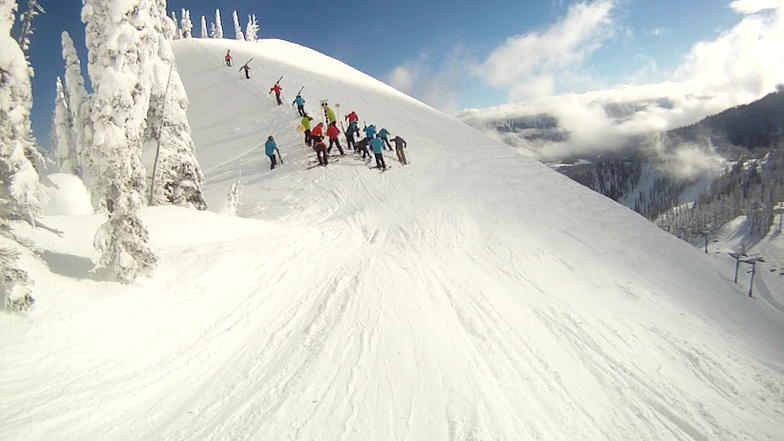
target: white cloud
<point>439,87</point>
<point>754,6</point>
<point>403,77</point>
<point>528,64</point>
<point>740,65</point>
<point>658,32</point>
<point>689,161</point>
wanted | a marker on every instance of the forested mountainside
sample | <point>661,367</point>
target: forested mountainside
<point>751,127</point>
<point>746,143</point>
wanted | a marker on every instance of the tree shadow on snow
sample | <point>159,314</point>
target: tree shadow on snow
<point>75,267</point>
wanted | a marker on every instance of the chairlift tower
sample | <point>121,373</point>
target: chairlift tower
<point>753,262</point>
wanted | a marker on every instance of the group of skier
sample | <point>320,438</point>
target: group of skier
<point>376,140</point>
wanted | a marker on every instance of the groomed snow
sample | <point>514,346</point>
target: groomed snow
<point>472,295</point>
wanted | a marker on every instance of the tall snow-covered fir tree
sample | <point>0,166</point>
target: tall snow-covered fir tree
<point>177,177</point>
<point>237,27</point>
<point>204,32</point>
<point>252,29</point>
<point>116,35</point>
<point>62,133</point>
<point>178,34</point>
<point>187,24</point>
<point>77,99</point>
<point>20,193</point>
<point>217,30</point>
<point>26,31</point>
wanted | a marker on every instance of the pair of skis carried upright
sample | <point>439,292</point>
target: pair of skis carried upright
<point>245,66</point>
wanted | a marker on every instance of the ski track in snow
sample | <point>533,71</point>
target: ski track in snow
<point>426,303</point>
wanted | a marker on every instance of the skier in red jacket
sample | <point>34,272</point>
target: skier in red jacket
<point>353,118</point>
<point>321,150</point>
<point>317,132</point>
<point>277,89</point>
<point>332,134</point>
<point>228,58</point>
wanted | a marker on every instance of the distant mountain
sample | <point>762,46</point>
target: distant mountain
<point>755,126</point>
<point>730,162</point>
<point>529,128</point>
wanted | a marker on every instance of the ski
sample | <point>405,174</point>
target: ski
<point>323,113</point>
<point>331,160</point>
<point>300,89</point>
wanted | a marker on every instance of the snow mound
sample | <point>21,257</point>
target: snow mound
<point>69,198</point>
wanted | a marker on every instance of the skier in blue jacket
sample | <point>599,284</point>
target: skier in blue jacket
<point>384,134</point>
<point>300,102</point>
<point>271,148</point>
<point>370,133</point>
<point>378,148</point>
<point>352,129</point>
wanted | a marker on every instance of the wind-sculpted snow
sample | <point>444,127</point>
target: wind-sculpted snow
<point>471,295</point>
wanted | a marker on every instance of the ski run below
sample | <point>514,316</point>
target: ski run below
<point>471,295</point>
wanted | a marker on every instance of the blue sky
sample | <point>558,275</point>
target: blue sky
<point>453,55</point>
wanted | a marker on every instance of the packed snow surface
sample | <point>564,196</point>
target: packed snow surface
<point>471,295</point>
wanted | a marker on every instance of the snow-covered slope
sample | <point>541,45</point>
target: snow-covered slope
<point>472,295</point>
<point>768,283</point>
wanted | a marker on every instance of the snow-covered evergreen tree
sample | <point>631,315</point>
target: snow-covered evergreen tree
<point>77,97</point>
<point>233,199</point>
<point>204,32</point>
<point>252,29</point>
<point>178,178</point>
<point>20,194</point>
<point>15,289</point>
<point>178,33</point>
<point>117,34</point>
<point>237,27</point>
<point>33,9</point>
<point>218,29</point>
<point>187,24</point>
<point>165,26</point>
<point>62,136</point>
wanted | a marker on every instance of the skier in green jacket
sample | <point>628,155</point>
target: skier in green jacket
<point>306,124</point>
<point>329,114</point>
